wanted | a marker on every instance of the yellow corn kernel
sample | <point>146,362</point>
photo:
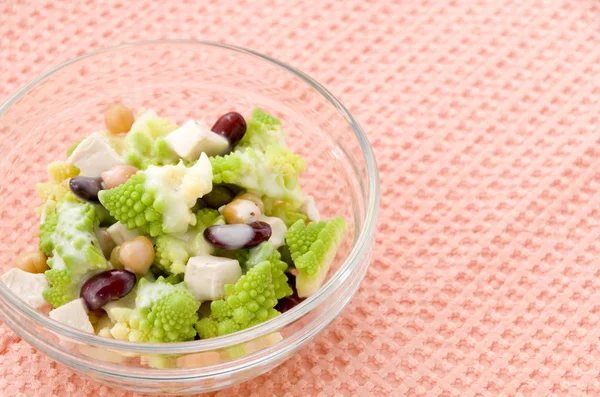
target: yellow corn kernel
<point>58,171</point>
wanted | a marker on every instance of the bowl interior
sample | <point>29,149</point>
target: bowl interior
<point>179,81</point>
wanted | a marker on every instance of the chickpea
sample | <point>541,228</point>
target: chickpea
<point>32,262</point>
<point>118,118</point>
<point>241,211</point>
<point>117,175</point>
<point>254,198</point>
<point>137,254</point>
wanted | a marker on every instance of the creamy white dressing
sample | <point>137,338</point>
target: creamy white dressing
<point>178,188</point>
<point>150,293</point>
<point>234,236</point>
<point>259,177</point>
<point>57,261</point>
<point>69,216</point>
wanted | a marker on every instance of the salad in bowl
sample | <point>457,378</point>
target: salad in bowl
<point>156,232</point>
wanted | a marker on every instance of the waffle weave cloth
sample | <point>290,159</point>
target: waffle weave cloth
<point>484,117</point>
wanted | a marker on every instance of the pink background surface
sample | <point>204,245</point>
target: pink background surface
<point>483,115</point>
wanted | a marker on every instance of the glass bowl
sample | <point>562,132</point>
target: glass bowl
<point>182,80</point>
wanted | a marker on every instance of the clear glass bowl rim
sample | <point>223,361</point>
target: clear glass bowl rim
<point>359,250</point>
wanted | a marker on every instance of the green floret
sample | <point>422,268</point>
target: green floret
<point>262,130</point>
<point>133,205</point>
<point>163,312</point>
<point>162,206</point>
<point>173,252</point>
<point>272,173</point>
<point>206,217</point>
<point>146,144</point>
<point>47,229</point>
<point>289,212</point>
<point>249,302</point>
<point>76,254</point>
<point>313,248</point>
<point>266,252</point>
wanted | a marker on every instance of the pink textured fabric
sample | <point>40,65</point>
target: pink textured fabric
<point>483,115</point>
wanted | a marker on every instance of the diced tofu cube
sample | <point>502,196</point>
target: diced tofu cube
<point>94,155</point>
<point>120,233</point>
<point>27,286</point>
<point>278,229</point>
<point>310,209</point>
<point>74,314</point>
<point>207,275</point>
<point>193,138</point>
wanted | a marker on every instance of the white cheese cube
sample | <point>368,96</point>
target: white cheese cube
<point>207,275</point>
<point>193,138</point>
<point>74,314</point>
<point>310,209</point>
<point>94,155</point>
<point>27,286</point>
<point>278,230</point>
<point>119,233</point>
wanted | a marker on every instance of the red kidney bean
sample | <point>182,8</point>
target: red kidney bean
<point>236,236</point>
<point>86,188</point>
<point>107,286</point>
<point>232,126</point>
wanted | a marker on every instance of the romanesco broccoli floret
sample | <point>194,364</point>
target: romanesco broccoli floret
<point>266,252</point>
<point>159,200</point>
<point>47,229</point>
<point>272,173</point>
<point>163,312</point>
<point>173,252</point>
<point>75,253</point>
<point>313,248</point>
<point>262,130</point>
<point>146,144</point>
<point>289,212</point>
<point>249,302</point>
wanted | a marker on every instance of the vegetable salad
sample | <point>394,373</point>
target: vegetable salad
<point>155,232</point>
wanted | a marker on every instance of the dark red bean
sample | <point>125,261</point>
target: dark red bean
<point>232,126</point>
<point>233,237</point>
<point>107,286</point>
<point>86,188</point>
